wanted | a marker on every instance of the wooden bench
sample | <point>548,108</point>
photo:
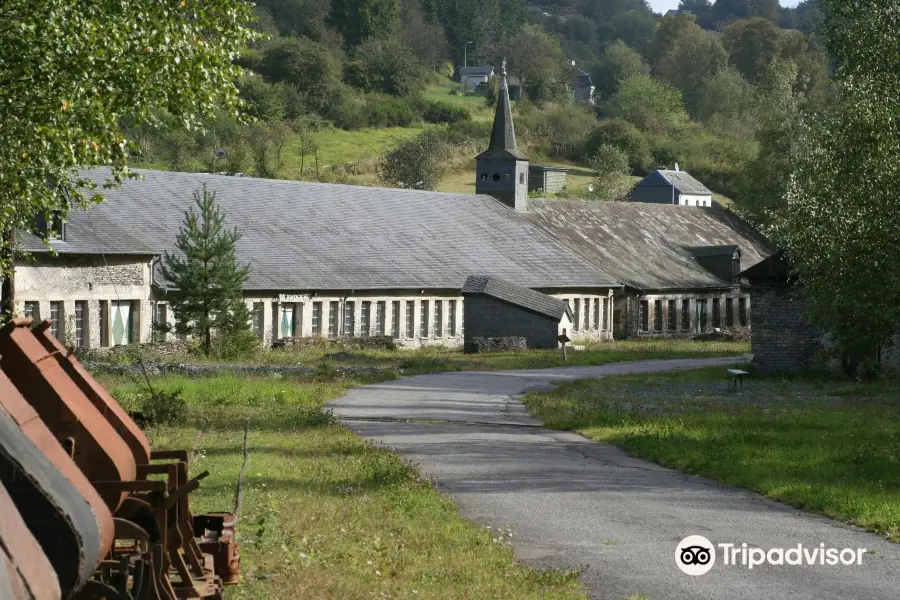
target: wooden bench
<point>738,375</point>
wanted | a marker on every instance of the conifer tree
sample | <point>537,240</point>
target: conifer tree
<point>207,282</point>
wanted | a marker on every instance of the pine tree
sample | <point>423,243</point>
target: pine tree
<point>207,282</point>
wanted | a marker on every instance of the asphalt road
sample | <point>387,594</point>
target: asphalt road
<point>574,503</point>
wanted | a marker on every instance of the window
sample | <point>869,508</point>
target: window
<point>438,318</point>
<point>701,315</point>
<point>379,318</point>
<point>317,319</point>
<point>349,324</point>
<point>521,177</point>
<point>644,317</point>
<point>657,315</point>
<point>365,319</point>
<point>56,319</point>
<point>80,315</point>
<point>597,313</point>
<point>506,176</point>
<point>286,320</point>
<point>685,315</point>
<point>160,319</point>
<point>451,318</point>
<point>672,316</point>
<point>587,314</point>
<point>32,310</point>
<point>410,319</point>
<point>605,316</point>
<point>496,177</point>
<point>395,322</point>
<point>423,320</point>
<point>333,308</point>
<point>729,312</point>
<point>742,311</point>
<point>462,317</point>
<point>484,176</point>
<point>121,322</point>
<point>103,319</point>
<point>576,312</point>
<point>258,320</point>
<point>716,316</point>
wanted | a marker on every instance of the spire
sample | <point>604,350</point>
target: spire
<point>503,134</point>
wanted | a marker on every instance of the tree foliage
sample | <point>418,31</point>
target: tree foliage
<point>417,163</point>
<point>207,295</point>
<point>386,65</point>
<point>612,181</point>
<point>652,105</point>
<point>308,66</point>
<point>842,225</point>
<point>71,71</point>
<point>618,63</point>
<point>358,20</point>
<point>536,58</point>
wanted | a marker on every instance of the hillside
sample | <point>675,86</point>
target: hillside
<point>328,95</point>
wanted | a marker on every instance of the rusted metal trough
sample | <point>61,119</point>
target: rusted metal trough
<point>150,547</point>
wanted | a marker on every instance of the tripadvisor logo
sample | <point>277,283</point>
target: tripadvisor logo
<point>696,555</point>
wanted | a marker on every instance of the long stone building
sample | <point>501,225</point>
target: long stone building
<point>339,260</point>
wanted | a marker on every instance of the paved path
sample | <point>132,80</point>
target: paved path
<point>574,503</point>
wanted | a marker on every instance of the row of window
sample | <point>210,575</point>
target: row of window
<point>289,319</point>
<point>76,331</point>
<point>699,318</point>
<point>583,308</point>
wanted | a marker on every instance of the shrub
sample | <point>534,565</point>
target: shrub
<point>386,111</point>
<point>625,136</point>
<point>441,112</point>
<point>163,408</point>
<point>416,163</point>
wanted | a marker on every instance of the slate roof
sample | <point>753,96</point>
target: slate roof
<point>503,134</point>
<point>776,267</point>
<point>315,236</point>
<point>682,181</point>
<point>516,295</point>
<point>92,233</point>
<point>648,246</point>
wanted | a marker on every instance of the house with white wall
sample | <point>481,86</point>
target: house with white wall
<point>675,186</point>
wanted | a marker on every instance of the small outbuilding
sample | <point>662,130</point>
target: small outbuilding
<point>494,308</point>
<point>663,186</point>
<point>545,179</point>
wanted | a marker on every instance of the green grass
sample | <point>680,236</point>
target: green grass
<point>443,92</point>
<point>439,358</point>
<point>327,515</point>
<point>827,446</point>
<point>339,146</point>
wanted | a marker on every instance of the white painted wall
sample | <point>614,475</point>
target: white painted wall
<point>696,200</point>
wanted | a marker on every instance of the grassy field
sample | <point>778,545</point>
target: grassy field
<point>339,147</point>
<point>439,358</point>
<point>325,514</point>
<point>442,92</point>
<point>827,446</point>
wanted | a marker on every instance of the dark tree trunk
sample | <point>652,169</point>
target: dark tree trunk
<point>8,292</point>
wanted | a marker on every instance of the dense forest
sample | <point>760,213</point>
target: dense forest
<point>706,86</point>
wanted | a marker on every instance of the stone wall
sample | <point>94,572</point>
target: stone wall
<point>783,339</point>
<point>91,284</point>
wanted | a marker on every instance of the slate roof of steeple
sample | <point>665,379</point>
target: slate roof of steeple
<point>503,135</point>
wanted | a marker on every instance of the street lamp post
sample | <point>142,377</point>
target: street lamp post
<point>465,53</point>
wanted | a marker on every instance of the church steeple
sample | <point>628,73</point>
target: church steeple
<point>502,169</point>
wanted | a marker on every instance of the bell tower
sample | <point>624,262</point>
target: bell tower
<point>502,171</point>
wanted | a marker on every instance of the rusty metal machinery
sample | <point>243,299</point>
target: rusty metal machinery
<point>25,572</point>
<point>151,547</point>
